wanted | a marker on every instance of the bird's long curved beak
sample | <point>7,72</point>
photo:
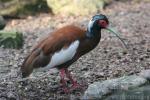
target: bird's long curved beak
<point>117,35</point>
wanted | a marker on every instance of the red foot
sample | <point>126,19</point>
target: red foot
<point>75,86</point>
<point>64,72</point>
<point>66,90</point>
<point>72,88</point>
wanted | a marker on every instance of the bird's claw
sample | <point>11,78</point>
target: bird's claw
<point>75,86</point>
<point>72,88</point>
<point>66,90</point>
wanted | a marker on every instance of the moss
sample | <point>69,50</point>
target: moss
<point>23,7</point>
<point>33,8</point>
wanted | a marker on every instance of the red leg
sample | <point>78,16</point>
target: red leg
<point>74,82</point>
<point>63,81</point>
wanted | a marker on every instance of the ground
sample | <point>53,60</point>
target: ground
<point>108,60</point>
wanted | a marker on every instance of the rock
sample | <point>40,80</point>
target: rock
<point>140,93</point>
<point>3,98</point>
<point>2,22</point>
<point>96,90</point>
<point>145,74</point>
<point>11,96</point>
<point>75,7</point>
<point>99,89</point>
<point>22,7</point>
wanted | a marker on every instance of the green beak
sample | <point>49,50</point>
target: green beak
<point>116,34</point>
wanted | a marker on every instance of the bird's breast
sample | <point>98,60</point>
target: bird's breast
<point>87,45</point>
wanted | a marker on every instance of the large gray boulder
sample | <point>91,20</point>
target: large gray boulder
<point>139,93</point>
<point>145,74</point>
<point>99,89</point>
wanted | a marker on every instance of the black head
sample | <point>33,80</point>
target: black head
<point>100,20</point>
<point>97,23</point>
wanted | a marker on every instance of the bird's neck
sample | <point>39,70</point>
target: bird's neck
<point>93,33</point>
<point>93,30</point>
<point>93,36</point>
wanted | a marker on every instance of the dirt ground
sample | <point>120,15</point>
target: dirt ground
<point>108,60</point>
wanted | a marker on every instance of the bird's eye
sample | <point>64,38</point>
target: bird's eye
<point>103,23</point>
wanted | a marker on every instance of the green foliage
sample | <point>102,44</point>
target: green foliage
<point>11,39</point>
<point>76,7</point>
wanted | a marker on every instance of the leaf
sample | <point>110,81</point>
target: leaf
<point>11,39</point>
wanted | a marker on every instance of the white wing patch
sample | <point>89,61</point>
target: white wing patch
<point>62,56</point>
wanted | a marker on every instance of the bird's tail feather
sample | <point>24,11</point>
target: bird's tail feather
<point>27,66</point>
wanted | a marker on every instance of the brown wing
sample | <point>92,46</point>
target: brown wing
<point>42,53</point>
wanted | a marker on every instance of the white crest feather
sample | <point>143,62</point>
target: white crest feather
<point>90,25</point>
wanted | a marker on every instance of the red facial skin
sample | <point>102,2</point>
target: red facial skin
<point>103,23</point>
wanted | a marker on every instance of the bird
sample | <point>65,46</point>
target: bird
<point>63,47</point>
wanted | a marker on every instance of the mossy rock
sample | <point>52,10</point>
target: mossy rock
<point>76,7</point>
<point>11,39</point>
<point>22,7</point>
